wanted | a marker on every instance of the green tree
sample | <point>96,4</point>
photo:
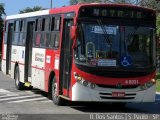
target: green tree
<point>29,9</point>
<point>158,26</point>
<point>2,12</point>
<point>154,4</point>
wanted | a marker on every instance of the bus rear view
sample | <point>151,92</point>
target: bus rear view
<point>114,54</point>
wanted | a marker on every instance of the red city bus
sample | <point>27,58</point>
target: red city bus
<point>84,52</point>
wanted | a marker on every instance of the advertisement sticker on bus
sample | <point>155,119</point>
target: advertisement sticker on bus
<point>56,63</point>
<point>48,59</point>
<point>39,57</point>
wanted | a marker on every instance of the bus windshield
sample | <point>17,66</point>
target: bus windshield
<point>109,45</point>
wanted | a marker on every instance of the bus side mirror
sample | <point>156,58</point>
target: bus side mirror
<point>73,32</point>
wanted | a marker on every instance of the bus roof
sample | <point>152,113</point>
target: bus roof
<point>72,8</point>
<point>30,14</point>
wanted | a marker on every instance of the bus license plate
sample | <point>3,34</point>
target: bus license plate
<point>118,94</point>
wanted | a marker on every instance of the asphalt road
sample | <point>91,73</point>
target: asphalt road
<point>34,104</point>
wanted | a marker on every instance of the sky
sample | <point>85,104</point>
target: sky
<point>13,6</point>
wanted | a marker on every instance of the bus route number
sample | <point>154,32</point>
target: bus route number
<point>132,82</point>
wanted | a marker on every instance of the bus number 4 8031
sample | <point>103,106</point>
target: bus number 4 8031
<point>132,82</point>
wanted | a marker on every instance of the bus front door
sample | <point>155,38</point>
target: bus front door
<point>28,51</point>
<point>10,38</point>
<point>66,58</point>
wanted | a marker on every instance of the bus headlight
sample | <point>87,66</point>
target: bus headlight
<point>148,84</point>
<point>82,81</point>
<point>92,85</point>
<point>142,87</point>
<point>77,77</point>
<point>85,83</point>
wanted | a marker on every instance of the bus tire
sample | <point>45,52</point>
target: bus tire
<point>18,84</point>
<point>55,98</point>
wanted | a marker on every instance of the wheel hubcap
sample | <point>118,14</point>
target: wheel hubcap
<point>55,91</point>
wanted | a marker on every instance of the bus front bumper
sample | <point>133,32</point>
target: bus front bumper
<point>86,94</point>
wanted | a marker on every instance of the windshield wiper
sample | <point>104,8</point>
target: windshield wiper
<point>133,33</point>
<point>104,31</point>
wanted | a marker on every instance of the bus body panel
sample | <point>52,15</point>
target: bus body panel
<point>114,81</point>
<point>51,65</point>
<point>20,60</point>
<point>21,72</point>
<point>14,59</point>
<point>21,55</point>
<point>38,68</point>
<point>4,58</point>
<point>81,93</point>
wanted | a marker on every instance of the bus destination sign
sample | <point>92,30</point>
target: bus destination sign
<point>115,12</point>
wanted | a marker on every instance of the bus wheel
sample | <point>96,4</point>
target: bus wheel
<point>56,99</point>
<point>18,84</point>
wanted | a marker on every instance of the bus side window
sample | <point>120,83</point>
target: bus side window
<point>56,40</point>
<point>36,25</point>
<point>6,32</point>
<point>37,40</point>
<point>22,33</point>
<point>43,24</point>
<point>52,23</point>
<point>42,37</point>
<point>16,32</point>
<point>57,23</point>
<point>54,43</point>
<point>45,36</point>
<point>55,32</point>
<point>47,32</point>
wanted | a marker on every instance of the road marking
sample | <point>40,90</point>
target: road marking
<point>47,101</point>
<point>4,96</point>
<point>34,99</point>
<point>22,96</point>
<point>12,98</point>
<point>5,91</point>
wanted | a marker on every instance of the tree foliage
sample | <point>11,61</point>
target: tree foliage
<point>29,9</point>
<point>2,12</point>
<point>154,4</point>
<point>158,25</point>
